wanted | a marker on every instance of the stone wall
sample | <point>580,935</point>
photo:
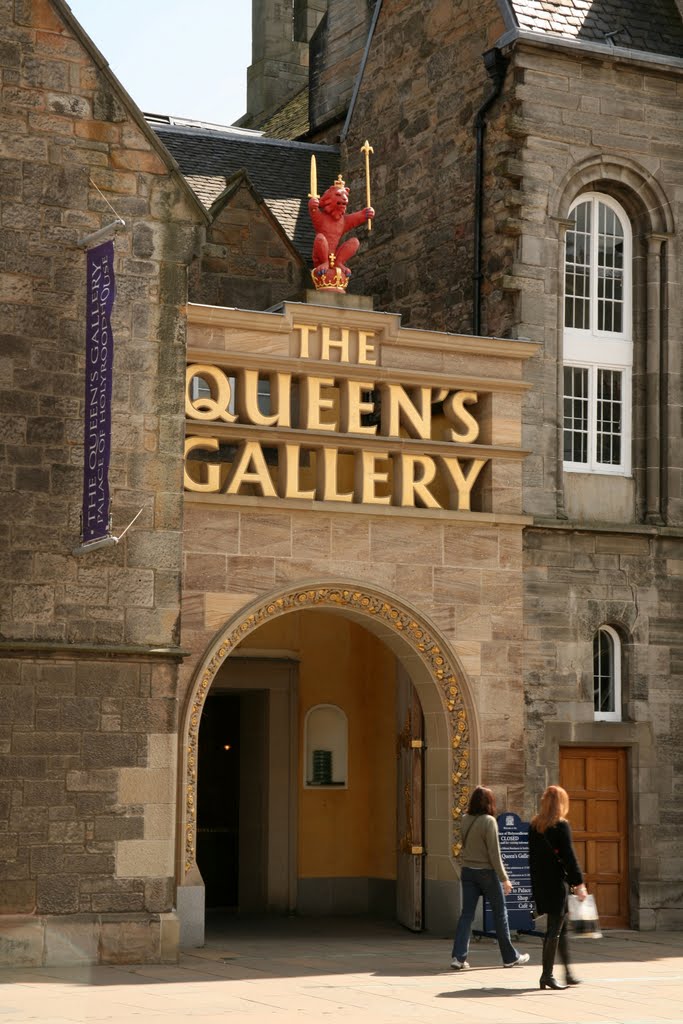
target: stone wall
<point>584,124</point>
<point>335,56</point>
<point>575,581</point>
<point>88,712</point>
<point>279,67</point>
<point>423,84</point>
<point>247,262</point>
<point>565,123</point>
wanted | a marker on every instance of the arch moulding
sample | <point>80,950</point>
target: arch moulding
<point>415,641</point>
<point>627,175</point>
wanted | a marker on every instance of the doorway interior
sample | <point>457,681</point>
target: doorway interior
<point>272,835</point>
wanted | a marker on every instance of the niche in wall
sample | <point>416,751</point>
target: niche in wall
<point>326,741</point>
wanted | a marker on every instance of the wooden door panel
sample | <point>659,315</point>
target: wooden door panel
<point>603,774</point>
<point>582,852</point>
<point>608,899</point>
<point>595,779</point>
<point>607,858</point>
<point>603,817</point>
<point>574,775</point>
<point>578,812</point>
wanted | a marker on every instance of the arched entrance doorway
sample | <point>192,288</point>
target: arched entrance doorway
<point>425,677</point>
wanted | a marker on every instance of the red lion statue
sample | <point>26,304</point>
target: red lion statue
<point>331,221</point>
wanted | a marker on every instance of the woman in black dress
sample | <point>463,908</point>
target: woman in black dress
<point>554,871</point>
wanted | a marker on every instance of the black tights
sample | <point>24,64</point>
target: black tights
<point>555,939</point>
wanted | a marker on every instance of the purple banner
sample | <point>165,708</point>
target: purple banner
<point>99,355</point>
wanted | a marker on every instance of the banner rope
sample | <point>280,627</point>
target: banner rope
<point>99,190</point>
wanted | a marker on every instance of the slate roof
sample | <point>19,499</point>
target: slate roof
<point>209,155</point>
<point>291,120</point>
<point>653,26</point>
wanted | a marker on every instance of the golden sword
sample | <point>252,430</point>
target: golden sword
<point>367,149</point>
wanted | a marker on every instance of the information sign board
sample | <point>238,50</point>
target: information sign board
<point>514,848</point>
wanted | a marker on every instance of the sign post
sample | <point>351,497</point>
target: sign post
<point>514,849</point>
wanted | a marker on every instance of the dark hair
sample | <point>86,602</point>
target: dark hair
<point>482,801</point>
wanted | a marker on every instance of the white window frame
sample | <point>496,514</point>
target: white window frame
<point>592,349</point>
<point>616,715</point>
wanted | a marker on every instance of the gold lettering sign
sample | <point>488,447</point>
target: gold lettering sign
<point>299,433</point>
<point>213,472</point>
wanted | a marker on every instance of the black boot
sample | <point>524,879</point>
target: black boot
<point>549,951</point>
<point>551,983</point>
<point>563,948</point>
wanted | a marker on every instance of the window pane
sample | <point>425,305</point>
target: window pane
<point>263,395</point>
<point>609,417</point>
<point>610,271</point>
<point>603,671</point>
<point>200,388</point>
<point>577,269</point>
<point>575,414</point>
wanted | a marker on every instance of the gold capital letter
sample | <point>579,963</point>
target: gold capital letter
<point>205,408</point>
<point>454,410</point>
<point>248,403</point>
<point>367,476</point>
<point>408,485</point>
<point>312,404</point>
<point>341,343</point>
<point>213,472</point>
<point>459,484</point>
<point>327,466</point>
<point>397,407</point>
<point>306,331</point>
<point>353,407</point>
<point>367,353</point>
<point>250,453</point>
<point>288,473</point>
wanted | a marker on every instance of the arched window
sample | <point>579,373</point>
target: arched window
<point>598,341</point>
<point>607,675</point>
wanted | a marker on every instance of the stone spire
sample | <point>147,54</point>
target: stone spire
<point>280,34</point>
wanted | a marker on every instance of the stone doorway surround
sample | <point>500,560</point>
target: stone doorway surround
<point>451,728</point>
<point>646,894</point>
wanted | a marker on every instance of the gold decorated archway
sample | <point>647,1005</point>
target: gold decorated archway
<point>395,623</point>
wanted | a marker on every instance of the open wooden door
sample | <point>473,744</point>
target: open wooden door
<point>410,857</point>
<point>595,779</point>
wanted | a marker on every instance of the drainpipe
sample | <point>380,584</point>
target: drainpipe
<point>496,66</point>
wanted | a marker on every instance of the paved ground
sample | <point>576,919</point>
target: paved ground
<point>359,972</point>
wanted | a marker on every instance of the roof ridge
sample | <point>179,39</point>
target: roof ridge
<point>238,136</point>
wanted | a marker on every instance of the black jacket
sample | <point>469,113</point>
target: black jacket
<point>554,867</point>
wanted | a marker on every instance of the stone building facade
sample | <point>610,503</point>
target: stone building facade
<point>90,643</point>
<point>577,114</point>
<point>369,626</point>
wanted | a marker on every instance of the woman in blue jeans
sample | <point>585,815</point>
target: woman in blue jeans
<point>483,874</point>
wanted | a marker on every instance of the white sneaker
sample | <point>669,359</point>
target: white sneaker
<point>523,958</point>
<point>461,965</point>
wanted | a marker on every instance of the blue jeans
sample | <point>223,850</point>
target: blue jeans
<point>478,882</point>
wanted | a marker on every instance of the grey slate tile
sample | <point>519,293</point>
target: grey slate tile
<point>278,169</point>
<point>652,26</point>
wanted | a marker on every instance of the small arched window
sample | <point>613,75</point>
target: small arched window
<point>598,342</point>
<point>607,675</point>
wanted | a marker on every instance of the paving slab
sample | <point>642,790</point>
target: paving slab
<point>333,970</point>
